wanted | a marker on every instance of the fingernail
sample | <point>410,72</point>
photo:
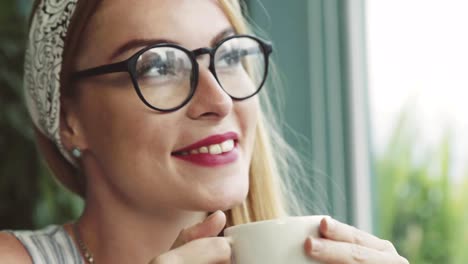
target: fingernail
<point>316,245</point>
<point>211,216</point>
<point>330,223</point>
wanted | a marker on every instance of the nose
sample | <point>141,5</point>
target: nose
<point>210,101</point>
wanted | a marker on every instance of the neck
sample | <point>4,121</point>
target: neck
<point>115,232</point>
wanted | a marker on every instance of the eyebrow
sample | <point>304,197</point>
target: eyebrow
<point>135,43</point>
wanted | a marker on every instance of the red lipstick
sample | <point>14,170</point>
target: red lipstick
<point>207,159</point>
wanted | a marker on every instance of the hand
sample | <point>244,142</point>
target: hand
<point>344,244</point>
<point>199,244</point>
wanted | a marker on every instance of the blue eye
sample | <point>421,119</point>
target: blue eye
<point>155,64</point>
<point>163,65</point>
<point>229,58</point>
<point>154,68</point>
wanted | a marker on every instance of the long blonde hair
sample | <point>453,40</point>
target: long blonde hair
<point>268,191</point>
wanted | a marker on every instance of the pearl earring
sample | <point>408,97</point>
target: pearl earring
<point>76,152</point>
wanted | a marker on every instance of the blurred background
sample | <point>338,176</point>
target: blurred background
<point>373,101</point>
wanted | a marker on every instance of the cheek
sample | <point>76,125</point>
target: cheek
<point>122,133</point>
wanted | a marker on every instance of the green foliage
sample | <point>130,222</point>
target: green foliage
<point>419,209</point>
<point>29,197</point>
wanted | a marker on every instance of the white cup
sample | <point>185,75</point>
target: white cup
<point>279,241</point>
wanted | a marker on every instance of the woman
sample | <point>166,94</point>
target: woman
<point>157,124</point>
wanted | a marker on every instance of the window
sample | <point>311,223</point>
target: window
<point>418,79</point>
<point>313,48</point>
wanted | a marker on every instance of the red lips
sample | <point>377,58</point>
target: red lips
<point>207,159</point>
<point>211,140</point>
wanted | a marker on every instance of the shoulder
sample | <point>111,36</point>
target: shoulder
<point>12,251</point>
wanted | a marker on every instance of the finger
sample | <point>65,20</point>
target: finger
<point>200,251</point>
<point>210,227</point>
<point>335,230</point>
<point>329,251</point>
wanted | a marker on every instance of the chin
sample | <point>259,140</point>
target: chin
<point>226,198</point>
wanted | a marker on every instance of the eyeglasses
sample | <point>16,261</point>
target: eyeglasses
<point>165,76</point>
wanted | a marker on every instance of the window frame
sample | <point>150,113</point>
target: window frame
<point>321,58</point>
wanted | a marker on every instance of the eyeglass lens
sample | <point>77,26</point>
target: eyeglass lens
<point>164,74</point>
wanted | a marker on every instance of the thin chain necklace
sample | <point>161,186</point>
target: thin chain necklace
<point>83,248</point>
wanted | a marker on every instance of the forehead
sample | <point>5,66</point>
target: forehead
<point>192,23</point>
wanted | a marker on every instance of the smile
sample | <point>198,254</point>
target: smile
<point>214,149</point>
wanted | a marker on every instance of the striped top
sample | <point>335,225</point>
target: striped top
<point>51,245</point>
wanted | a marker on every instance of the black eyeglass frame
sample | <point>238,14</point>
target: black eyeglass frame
<point>129,65</point>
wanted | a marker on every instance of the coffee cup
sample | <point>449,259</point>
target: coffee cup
<point>279,241</point>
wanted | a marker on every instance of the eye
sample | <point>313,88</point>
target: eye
<point>236,51</point>
<point>229,57</point>
<point>154,65</point>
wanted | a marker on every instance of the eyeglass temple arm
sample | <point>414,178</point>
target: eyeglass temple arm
<point>100,70</point>
<point>268,47</point>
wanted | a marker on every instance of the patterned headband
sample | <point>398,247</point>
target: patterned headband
<point>43,65</point>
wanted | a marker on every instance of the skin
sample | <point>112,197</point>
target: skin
<point>142,205</point>
<point>127,146</point>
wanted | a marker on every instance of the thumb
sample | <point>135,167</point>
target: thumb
<point>210,227</point>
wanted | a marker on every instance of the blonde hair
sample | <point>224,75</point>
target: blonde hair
<point>267,193</point>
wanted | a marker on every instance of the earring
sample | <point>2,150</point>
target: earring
<point>76,152</point>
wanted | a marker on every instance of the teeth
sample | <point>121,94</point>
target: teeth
<point>204,150</point>
<point>194,151</point>
<point>215,149</point>
<point>227,145</point>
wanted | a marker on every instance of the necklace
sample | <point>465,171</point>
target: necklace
<point>83,248</point>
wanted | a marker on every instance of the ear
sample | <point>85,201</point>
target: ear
<point>71,128</point>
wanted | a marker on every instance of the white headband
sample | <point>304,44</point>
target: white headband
<point>43,65</point>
